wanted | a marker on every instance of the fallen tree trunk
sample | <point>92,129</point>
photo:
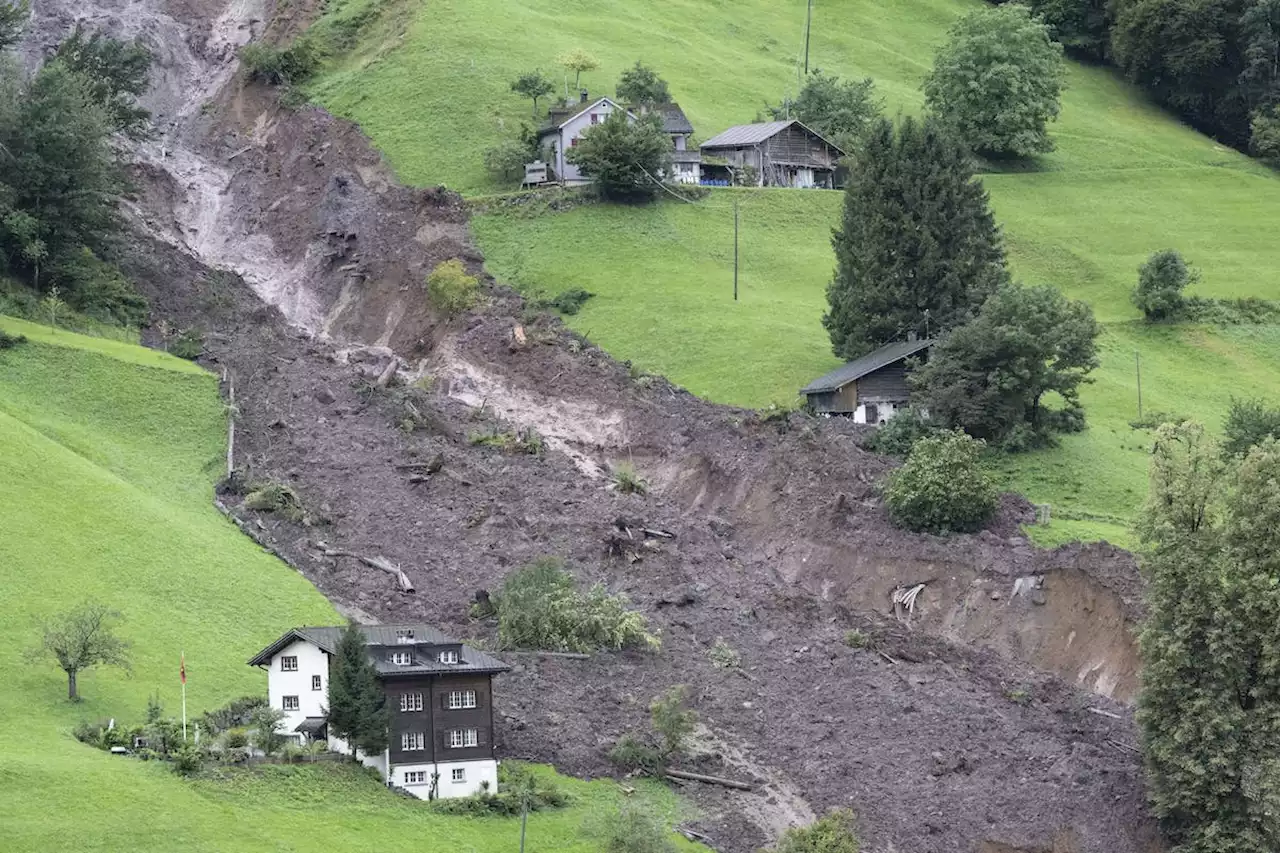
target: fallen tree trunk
<point>379,562</point>
<point>540,653</point>
<point>384,379</point>
<point>710,780</point>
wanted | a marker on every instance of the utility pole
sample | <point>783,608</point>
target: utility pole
<point>735,250</point>
<point>808,23</point>
<point>1137,364</point>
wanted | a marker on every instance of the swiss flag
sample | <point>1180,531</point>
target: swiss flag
<point>182,668</point>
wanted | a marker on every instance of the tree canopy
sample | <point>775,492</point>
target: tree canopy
<point>990,376</point>
<point>533,85</point>
<point>81,639</point>
<point>357,710</point>
<point>1209,709</point>
<point>998,80</point>
<point>624,158</point>
<point>578,61</point>
<point>1161,280</point>
<point>941,488</point>
<point>917,249</point>
<point>115,74</point>
<point>13,20</point>
<point>841,111</point>
<point>642,85</point>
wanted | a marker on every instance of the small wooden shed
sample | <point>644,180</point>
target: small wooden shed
<point>871,389</point>
<point>784,154</point>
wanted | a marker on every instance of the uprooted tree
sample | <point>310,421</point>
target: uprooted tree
<point>81,639</point>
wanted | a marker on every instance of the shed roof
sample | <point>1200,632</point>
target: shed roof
<point>753,134</point>
<point>673,118</point>
<point>382,637</point>
<point>869,363</point>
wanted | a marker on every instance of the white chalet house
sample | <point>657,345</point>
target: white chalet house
<point>566,124</point>
<point>439,692</point>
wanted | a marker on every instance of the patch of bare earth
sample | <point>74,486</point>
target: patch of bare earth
<point>987,716</point>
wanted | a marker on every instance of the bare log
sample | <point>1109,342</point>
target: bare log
<point>886,657</point>
<point>1102,713</point>
<point>546,654</point>
<point>384,378</point>
<point>661,534</point>
<point>692,834</point>
<point>710,780</point>
<point>379,562</point>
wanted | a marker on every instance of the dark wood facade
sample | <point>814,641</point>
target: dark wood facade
<point>793,156</point>
<point>436,719</point>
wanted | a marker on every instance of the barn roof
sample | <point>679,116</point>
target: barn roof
<point>753,134</point>
<point>379,638</point>
<point>869,363</point>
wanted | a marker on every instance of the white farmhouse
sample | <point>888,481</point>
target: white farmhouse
<point>566,124</point>
<point>440,693</point>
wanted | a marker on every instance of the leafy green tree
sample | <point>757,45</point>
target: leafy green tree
<point>1249,423</point>
<point>115,74</point>
<point>450,289</point>
<point>941,488</point>
<point>578,61</point>
<point>673,721</point>
<point>357,711</point>
<point>1264,135</point>
<point>1081,26</point>
<point>1209,709</point>
<point>630,829</point>
<point>1260,33</point>
<point>13,20</point>
<point>917,249</point>
<point>533,85</point>
<point>624,157</point>
<point>642,85</point>
<point>998,80</point>
<point>841,111</point>
<point>81,639</point>
<point>991,375</point>
<point>1161,280</point>
<point>265,722</point>
<point>832,833</point>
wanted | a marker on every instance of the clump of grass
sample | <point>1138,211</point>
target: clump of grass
<point>188,344</point>
<point>523,441</point>
<point>276,498</point>
<point>855,639</point>
<point>1018,695</point>
<point>723,655</point>
<point>627,480</point>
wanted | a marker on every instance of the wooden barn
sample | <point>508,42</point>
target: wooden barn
<point>871,389</point>
<point>783,153</point>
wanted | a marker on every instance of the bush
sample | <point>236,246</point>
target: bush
<point>188,344</point>
<point>519,787</point>
<point>1161,280</point>
<point>833,833</point>
<point>97,289</point>
<point>897,436</point>
<point>631,753</point>
<point>265,722</point>
<point>1249,423</point>
<point>855,639</point>
<point>284,66</point>
<point>571,301</point>
<point>450,289</point>
<point>630,829</point>
<point>237,738</point>
<point>506,160</point>
<point>942,488</point>
<point>235,714</point>
<point>1264,136</point>
<point>276,498</point>
<point>723,655</point>
<point>8,341</point>
<point>539,607</point>
<point>525,441</point>
<point>628,481</point>
<point>673,720</point>
<point>187,760</point>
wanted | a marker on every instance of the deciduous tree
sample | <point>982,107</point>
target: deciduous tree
<point>624,157</point>
<point>81,639</point>
<point>998,80</point>
<point>114,73</point>
<point>941,488</point>
<point>642,85</point>
<point>13,19</point>
<point>917,249</point>
<point>357,710</point>
<point>578,61</point>
<point>841,111</point>
<point>1161,280</point>
<point>532,84</point>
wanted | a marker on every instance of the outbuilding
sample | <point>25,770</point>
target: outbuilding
<point>781,153</point>
<point>870,389</point>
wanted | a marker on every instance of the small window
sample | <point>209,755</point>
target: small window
<point>411,741</point>
<point>459,774</point>
<point>461,699</point>
<point>595,119</point>
<point>462,738</point>
<point>410,702</point>
<point>415,777</point>
<point>402,658</point>
<point>404,635</point>
<point>573,143</point>
<point>449,657</point>
<point>291,703</point>
<point>289,663</point>
<point>315,682</point>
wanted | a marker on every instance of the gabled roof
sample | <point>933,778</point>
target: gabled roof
<point>673,118</point>
<point>381,640</point>
<point>560,116</point>
<point>754,134</point>
<point>869,363</point>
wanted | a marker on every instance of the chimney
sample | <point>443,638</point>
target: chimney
<point>911,336</point>
<point>583,95</point>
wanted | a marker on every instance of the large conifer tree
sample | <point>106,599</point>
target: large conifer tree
<point>917,249</point>
<point>357,710</point>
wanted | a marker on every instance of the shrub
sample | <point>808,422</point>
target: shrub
<point>897,436</point>
<point>673,720</point>
<point>570,301</point>
<point>235,714</point>
<point>539,607</point>
<point>285,66</point>
<point>187,760</point>
<point>276,498</point>
<point>450,289</point>
<point>525,441</point>
<point>1264,136</point>
<point>942,488</point>
<point>1155,420</point>
<point>520,786</point>
<point>265,722</point>
<point>237,738</point>
<point>1161,280</point>
<point>631,753</point>
<point>628,481</point>
<point>1249,423</point>
<point>833,833</point>
<point>855,639</point>
<point>97,289</point>
<point>630,829</point>
<point>723,655</point>
<point>188,344</point>
<point>8,341</point>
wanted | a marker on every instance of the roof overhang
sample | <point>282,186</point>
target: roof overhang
<point>288,638</point>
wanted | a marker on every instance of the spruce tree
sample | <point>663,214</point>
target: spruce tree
<point>917,249</point>
<point>357,710</point>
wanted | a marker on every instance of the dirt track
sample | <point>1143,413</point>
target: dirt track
<point>780,547</point>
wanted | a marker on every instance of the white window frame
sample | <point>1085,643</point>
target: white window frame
<point>288,663</point>
<point>287,701</point>
<point>404,635</point>
<point>410,702</point>
<point>402,658</point>
<point>459,774</point>
<point>463,738</point>
<point>461,699</point>
<point>317,683</point>
<point>415,777</point>
<point>448,656</point>
<point>413,741</point>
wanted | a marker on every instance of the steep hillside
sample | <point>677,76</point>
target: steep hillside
<point>429,84</point>
<point>110,452</point>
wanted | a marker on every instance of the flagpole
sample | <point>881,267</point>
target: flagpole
<point>184,697</point>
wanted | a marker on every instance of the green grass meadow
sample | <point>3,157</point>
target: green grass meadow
<point>108,454</point>
<point>428,83</point>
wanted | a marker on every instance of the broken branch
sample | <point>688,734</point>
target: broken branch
<point>1102,713</point>
<point>380,563</point>
<point>710,780</point>
<point>540,653</point>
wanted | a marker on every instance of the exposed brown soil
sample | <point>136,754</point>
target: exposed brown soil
<point>965,727</point>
